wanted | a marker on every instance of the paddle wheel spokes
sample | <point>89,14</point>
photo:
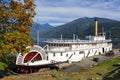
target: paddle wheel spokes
<point>32,56</point>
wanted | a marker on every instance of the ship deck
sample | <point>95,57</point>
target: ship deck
<point>77,41</point>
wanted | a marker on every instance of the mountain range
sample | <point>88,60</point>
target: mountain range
<point>40,27</point>
<point>82,27</point>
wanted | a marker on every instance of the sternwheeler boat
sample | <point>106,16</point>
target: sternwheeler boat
<point>58,51</point>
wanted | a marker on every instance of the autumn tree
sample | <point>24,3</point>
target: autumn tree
<point>16,18</point>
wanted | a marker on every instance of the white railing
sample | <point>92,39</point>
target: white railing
<point>78,41</point>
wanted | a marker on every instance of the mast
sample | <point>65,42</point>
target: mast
<point>102,29</point>
<point>61,37</point>
<point>110,34</point>
<point>73,36</point>
<point>77,28</point>
<point>76,37</point>
<point>38,36</point>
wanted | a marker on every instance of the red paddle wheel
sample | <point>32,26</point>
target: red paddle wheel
<point>29,56</point>
<point>32,56</point>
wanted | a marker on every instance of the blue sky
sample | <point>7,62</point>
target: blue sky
<point>57,12</point>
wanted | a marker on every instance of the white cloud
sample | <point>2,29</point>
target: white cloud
<point>63,11</point>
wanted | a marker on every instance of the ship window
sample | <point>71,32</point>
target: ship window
<point>66,55</point>
<point>51,44</point>
<point>74,53</point>
<point>47,57</point>
<point>94,44</point>
<point>53,54</point>
<point>59,44</point>
<point>67,44</point>
<point>103,50</point>
<point>81,52</point>
<point>61,54</point>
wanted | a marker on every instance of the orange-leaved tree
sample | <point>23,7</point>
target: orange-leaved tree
<point>16,18</point>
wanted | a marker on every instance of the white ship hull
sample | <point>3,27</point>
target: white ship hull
<point>63,51</point>
<point>77,52</point>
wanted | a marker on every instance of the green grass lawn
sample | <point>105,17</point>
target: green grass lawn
<point>95,73</point>
<point>2,66</point>
<point>101,70</point>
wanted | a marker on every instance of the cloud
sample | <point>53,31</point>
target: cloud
<point>62,11</point>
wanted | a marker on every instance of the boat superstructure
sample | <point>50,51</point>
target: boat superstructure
<point>75,50</point>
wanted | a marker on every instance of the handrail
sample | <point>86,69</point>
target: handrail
<point>32,58</point>
<point>78,41</point>
<point>70,56</point>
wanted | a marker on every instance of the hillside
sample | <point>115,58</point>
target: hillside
<point>83,27</point>
<point>40,27</point>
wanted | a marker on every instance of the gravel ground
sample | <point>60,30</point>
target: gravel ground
<point>88,62</point>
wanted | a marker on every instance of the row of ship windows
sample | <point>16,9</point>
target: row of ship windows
<point>81,52</point>
<point>94,44</point>
<point>59,44</point>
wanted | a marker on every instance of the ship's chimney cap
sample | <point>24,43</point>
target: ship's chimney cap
<point>95,19</point>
